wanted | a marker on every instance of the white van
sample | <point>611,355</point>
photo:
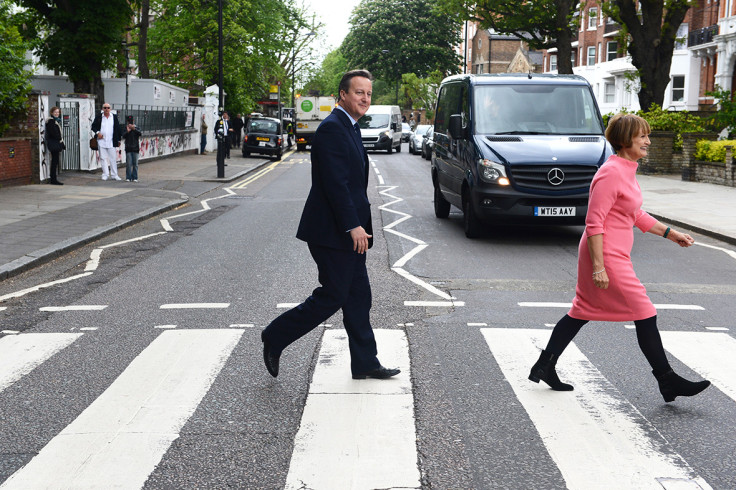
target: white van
<point>380,128</point>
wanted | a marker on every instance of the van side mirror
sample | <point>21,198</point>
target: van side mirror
<point>456,127</point>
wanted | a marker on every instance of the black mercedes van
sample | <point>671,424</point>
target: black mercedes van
<point>516,148</point>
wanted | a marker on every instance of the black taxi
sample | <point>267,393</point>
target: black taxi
<point>263,135</point>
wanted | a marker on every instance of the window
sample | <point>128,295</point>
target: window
<point>591,55</point>
<point>479,68</point>
<point>480,43</point>
<point>592,17</point>
<point>552,62</point>
<point>678,88</point>
<point>572,57</point>
<point>681,36</point>
<point>611,50</point>
<point>609,93</point>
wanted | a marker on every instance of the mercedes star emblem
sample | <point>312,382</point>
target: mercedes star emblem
<point>555,176</point>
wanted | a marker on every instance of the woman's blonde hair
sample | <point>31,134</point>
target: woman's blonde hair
<point>622,128</point>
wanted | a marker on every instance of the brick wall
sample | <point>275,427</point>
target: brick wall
<point>660,156</point>
<point>20,147</point>
<point>16,161</point>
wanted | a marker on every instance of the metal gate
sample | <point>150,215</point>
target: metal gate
<point>70,158</point>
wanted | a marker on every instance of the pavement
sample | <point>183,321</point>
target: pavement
<point>41,222</point>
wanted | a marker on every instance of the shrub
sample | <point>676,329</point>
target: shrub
<point>677,121</point>
<point>712,151</point>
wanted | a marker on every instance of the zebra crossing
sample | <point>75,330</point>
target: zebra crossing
<point>356,433</point>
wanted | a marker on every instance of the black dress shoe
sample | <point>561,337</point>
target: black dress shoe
<point>56,182</point>
<point>270,359</point>
<point>379,373</point>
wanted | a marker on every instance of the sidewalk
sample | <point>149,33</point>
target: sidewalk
<point>41,222</point>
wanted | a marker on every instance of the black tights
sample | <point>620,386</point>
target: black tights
<point>647,334</point>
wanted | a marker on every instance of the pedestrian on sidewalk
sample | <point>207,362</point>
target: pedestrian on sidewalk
<point>222,136</point>
<point>336,224</point>
<point>54,143</point>
<point>237,125</point>
<point>203,139</point>
<point>132,137</point>
<point>106,128</point>
<point>607,287</point>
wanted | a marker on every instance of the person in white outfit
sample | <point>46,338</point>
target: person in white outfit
<point>107,131</point>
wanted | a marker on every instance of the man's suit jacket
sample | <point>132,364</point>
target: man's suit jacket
<point>338,199</point>
<point>116,133</point>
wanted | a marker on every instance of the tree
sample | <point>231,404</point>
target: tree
<point>327,78</point>
<point>652,35</point>
<point>392,37</point>
<point>80,38</point>
<point>422,92</point>
<point>14,78</point>
<point>542,24</point>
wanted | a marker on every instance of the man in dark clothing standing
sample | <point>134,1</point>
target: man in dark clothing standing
<point>237,125</point>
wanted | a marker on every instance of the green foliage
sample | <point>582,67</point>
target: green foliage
<point>677,121</point>
<point>79,38</point>
<point>326,79</point>
<point>713,151</point>
<point>393,37</point>
<point>14,79</point>
<point>421,92</point>
<point>725,117</point>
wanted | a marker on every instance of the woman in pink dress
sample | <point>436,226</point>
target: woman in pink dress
<point>607,287</point>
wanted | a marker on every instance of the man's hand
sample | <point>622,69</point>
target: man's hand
<point>360,239</point>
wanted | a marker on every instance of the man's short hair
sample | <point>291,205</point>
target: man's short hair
<point>345,81</point>
<point>623,128</point>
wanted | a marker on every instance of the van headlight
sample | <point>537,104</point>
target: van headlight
<point>385,135</point>
<point>493,172</point>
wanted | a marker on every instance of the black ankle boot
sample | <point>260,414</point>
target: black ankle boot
<point>544,369</point>
<point>671,385</point>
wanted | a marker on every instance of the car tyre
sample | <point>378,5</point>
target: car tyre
<point>441,206</point>
<point>390,149</point>
<point>471,223</point>
<point>246,154</point>
<point>301,146</point>
<point>398,148</point>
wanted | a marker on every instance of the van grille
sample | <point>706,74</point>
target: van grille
<point>536,176</point>
<point>584,139</point>
<point>505,139</point>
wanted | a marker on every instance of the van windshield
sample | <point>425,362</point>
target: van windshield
<point>535,109</point>
<point>373,121</point>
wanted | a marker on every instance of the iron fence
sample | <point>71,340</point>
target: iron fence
<point>155,118</point>
<point>70,159</point>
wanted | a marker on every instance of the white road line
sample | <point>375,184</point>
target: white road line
<point>357,433</point>
<point>542,304</point>
<point>406,258</point>
<point>241,325</point>
<point>434,303</point>
<point>724,250</point>
<point>717,329</point>
<point>164,327</point>
<point>23,292</point>
<point>711,355</point>
<point>287,305</point>
<point>10,332</point>
<point>594,435</point>
<point>20,354</point>
<point>73,308</point>
<point>3,308</point>
<point>88,329</point>
<point>421,283</point>
<point>477,324</point>
<point>190,306</point>
<point>120,438</point>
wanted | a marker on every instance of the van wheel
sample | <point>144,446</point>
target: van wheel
<point>390,149</point>
<point>471,222</point>
<point>398,148</point>
<point>441,206</point>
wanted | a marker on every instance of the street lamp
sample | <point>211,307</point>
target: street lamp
<point>220,142</point>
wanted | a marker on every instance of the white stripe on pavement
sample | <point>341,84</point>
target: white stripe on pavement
<point>711,355</point>
<point>121,437</point>
<point>542,304</point>
<point>594,435</point>
<point>20,354</point>
<point>357,433</point>
<point>73,308</point>
<point>185,306</point>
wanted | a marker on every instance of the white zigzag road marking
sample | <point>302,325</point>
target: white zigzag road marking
<point>724,250</point>
<point>421,245</point>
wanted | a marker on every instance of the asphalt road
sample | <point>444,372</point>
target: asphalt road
<point>183,312</point>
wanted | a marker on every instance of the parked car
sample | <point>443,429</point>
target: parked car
<point>428,143</point>
<point>405,132</point>
<point>417,137</point>
<point>516,148</point>
<point>263,135</point>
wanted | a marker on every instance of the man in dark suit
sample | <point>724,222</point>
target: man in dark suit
<point>336,224</point>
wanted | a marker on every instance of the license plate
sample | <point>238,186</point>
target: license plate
<point>262,143</point>
<point>261,138</point>
<point>368,145</point>
<point>554,211</point>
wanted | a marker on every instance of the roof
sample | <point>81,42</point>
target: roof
<point>501,78</point>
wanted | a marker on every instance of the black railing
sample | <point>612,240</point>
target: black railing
<point>156,118</point>
<point>702,36</point>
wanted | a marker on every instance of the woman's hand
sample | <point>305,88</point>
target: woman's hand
<point>682,239</point>
<point>601,280</point>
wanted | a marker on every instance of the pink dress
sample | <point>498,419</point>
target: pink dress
<point>614,209</point>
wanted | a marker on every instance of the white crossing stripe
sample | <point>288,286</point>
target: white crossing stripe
<point>121,437</point>
<point>20,354</point>
<point>73,308</point>
<point>711,355</point>
<point>177,306</point>
<point>595,436</point>
<point>357,433</point>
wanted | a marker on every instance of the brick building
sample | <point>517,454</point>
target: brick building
<point>496,53</point>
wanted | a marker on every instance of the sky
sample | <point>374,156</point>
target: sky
<point>334,14</point>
